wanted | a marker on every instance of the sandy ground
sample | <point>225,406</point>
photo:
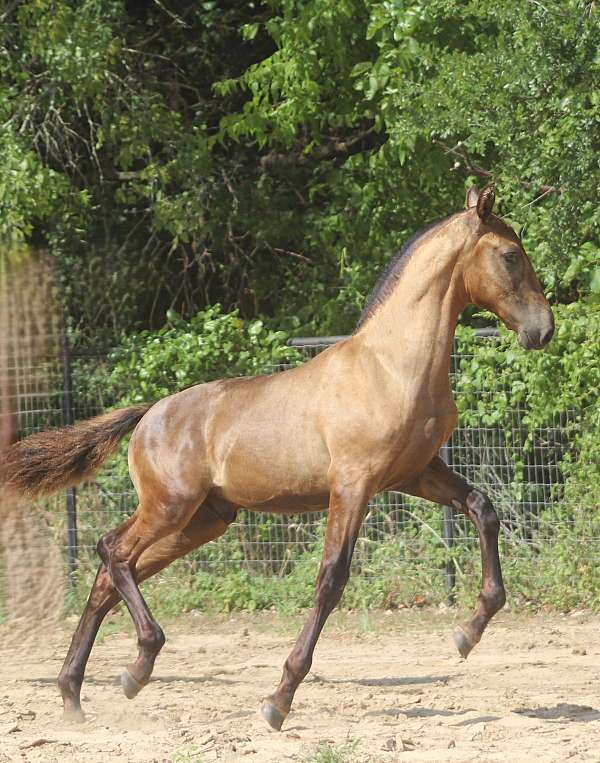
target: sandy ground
<point>389,684</point>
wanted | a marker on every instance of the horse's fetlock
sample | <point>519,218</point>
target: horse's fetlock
<point>499,597</point>
<point>69,682</point>
<point>153,641</point>
<point>297,667</point>
<point>495,597</point>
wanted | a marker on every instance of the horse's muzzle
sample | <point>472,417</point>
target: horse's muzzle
<point>534,338</point>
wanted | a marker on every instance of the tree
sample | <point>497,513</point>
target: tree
<point>272,155</point>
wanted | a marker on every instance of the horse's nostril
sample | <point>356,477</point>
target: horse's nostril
<point>546,335</point>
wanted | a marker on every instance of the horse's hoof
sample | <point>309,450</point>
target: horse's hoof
<point>463,644</point>
<point>73,715</point>
<point>272,715</point>
<point>131,687</point>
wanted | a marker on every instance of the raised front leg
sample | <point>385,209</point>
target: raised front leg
<point>347,503</point>
<point>440,484</point>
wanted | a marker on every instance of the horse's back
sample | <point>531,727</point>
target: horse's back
<point>245,437</point>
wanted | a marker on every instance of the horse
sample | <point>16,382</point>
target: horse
<point>368,414</point>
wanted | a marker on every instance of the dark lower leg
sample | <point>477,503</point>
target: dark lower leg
<point>329,590</point>
<point>440,484</point>
<point>345,516</point>
<point>101,599</point>
<point>150,635</point>
<point>205,526</point>
<point>492,595</point>
<point>119,550</point>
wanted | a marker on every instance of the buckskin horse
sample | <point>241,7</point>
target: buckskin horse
<point>366,415</point>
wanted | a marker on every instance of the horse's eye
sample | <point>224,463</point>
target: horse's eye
<point>510,257</point>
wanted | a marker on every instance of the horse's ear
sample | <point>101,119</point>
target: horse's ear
<point>485,201</point>
<point>472,196</point>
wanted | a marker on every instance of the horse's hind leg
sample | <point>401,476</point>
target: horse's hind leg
<point>119,550</point>
<point>440,484</point>
<point>206,525</point>
<point>102,598</point>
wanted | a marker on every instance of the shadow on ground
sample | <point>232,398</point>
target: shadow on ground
<point>560,712</point>
<point>385,681</point>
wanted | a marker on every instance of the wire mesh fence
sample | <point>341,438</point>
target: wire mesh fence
<point>518,467</point>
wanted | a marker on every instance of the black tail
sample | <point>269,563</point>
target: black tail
<point>49,461</point>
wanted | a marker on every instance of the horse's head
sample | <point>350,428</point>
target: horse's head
<point>499,276</point>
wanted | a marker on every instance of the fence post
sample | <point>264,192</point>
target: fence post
<point>71,495</point>
<point>448,530</point>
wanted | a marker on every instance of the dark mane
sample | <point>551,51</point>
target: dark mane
<point>393,270</point>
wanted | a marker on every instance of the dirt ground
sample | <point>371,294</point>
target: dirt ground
<point>390,685</point>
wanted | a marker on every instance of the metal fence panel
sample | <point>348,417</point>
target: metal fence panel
<point>522,486</point>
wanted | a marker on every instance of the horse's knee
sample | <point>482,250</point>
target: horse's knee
<point>482,513</point>
<point>332,580</point>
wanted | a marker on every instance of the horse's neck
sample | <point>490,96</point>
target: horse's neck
<point>411,333</point>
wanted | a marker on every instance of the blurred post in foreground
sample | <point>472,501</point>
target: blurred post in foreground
<point>31,565</point>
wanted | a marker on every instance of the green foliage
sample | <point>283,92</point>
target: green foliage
<point>271,155</point>
<point>478,88</point>
<point>31,193</point>
<point>328,753</point>
<point>108,130</point>
<point>560,378</point>
<point>555,387</point>
<point>211,345</point>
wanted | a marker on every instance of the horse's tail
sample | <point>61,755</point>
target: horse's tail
<point>59,458</point>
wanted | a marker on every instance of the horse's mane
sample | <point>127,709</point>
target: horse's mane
<point>393,270</point>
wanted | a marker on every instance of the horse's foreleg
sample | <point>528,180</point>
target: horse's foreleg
<point>440,484</point>
<point>205,526</point>
<point>346,511</point>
